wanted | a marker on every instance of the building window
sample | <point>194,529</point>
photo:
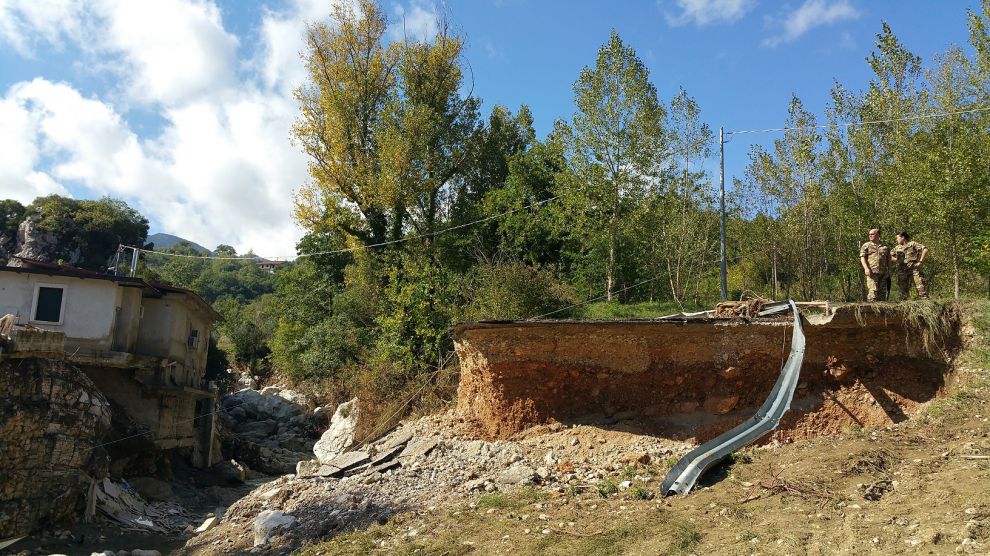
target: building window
<point>49,304</point>
<point>193,341</point>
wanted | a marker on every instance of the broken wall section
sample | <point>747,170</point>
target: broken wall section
<point>52,417</point>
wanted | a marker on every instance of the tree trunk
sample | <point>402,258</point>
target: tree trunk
<point>776,285</point>
<point>610,272</point>
<point>955,274</point>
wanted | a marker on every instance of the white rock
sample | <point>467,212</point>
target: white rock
<point>307,467</point>
<point>206,525</point>
<point>267,495</point>
<point>340,435</point>
<point>517,474</point>
<point>296,398</point>
<point>266,522</point>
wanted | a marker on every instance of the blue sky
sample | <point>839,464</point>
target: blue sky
<point>182,107</point>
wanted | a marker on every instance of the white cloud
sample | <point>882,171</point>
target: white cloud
<point>283,35</point>
<point>418,22</point>
<point>811,14</point>
<point>219,170</point>
<point>24,23</point>
<point>708,12</point>
<point>172,49</point>
<point>220,167</point>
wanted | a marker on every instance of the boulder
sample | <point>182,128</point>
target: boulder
<point>265,524</point>
<point>297,399</point>
<point>260,429</point>
<point>340,435</point>
<point>517,474</point>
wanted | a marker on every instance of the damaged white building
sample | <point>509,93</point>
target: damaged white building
<point>143,344</point>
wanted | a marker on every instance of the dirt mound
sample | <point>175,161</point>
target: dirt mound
<point>695,378</point>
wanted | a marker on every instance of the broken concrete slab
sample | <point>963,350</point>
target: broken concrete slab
<point>349,460</point>
<point>210,523</point>
<point>383,467</point>
<point>344,463</point>
<point>400,439</point>
<point>386,454</point>
<point>418,449</point>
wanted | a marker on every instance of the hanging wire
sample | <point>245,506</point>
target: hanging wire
<point>854,124</point>
<point>350,249</point>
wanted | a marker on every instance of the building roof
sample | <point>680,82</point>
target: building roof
<point>152,289</point>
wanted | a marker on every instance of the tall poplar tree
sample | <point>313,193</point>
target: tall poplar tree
<point>616,144</point>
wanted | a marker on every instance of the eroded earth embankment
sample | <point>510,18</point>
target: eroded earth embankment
<point>695,378</point>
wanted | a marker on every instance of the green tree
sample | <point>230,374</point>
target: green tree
<point>87,233</point>
<point>616,142</point>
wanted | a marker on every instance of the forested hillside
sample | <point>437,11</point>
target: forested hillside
<point>422,211</point>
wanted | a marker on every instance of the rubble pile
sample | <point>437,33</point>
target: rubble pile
<point>424,463</point>
<point>122,504</point>
<point>271,429</point>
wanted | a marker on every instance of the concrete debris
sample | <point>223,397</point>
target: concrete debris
<point>307,468</point>
<point>266,523</point>
<point>207,525</point>
<point>125,506</point>
<point>386,454</point>
<point>738,309</point>
<point>425,463</point>
<point>418,449</point>
<point>518,474</point>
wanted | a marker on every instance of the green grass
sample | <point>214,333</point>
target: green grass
<point>684,537</point>
<point>641,493</point>
<point>644,310</point>
<point>606,488</point>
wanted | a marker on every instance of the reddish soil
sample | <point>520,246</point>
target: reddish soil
<point>695,379</point>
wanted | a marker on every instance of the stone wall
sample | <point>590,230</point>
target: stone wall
<point>52,417</point>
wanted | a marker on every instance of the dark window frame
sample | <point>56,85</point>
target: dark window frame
<point>36,303</point>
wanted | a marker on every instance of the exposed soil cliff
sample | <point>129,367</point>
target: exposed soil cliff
<point>697,378</point>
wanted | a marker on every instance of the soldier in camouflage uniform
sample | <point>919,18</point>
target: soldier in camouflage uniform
<point>907,257</point>
<point>874,255</point>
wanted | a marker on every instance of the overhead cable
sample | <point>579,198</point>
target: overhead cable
<point>348,249</point>
<point>854,124</point>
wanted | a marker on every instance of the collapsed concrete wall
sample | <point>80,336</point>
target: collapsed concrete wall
<point>691,378</point>
<point>51,419</point>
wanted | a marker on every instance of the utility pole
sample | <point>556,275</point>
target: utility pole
<point>721,203</point>
<point>134,261</point>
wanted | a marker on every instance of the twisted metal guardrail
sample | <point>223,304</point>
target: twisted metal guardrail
<point>682,477</point>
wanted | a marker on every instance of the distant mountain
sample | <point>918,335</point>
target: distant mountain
<point>164,241</point>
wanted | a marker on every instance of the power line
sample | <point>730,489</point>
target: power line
<point>350,249</point>
<point>596,298</point>
<point>854,124</point>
